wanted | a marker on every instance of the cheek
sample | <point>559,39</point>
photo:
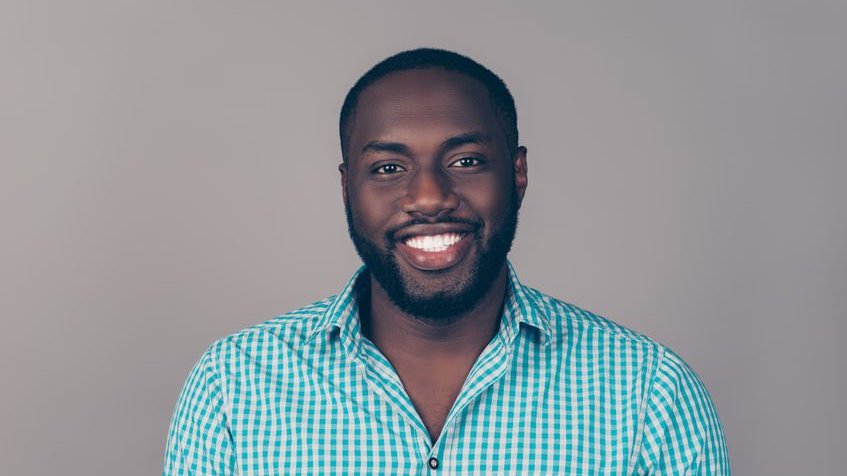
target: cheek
<point>372,209</point>
<point>490,199</point>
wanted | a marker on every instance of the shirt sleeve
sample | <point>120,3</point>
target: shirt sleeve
<point>682,433</point>
<point>199,439</point>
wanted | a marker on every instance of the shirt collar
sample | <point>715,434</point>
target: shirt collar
<point>522,306</point>
<point>343,310</point>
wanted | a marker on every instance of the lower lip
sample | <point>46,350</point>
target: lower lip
<point>436,260</point>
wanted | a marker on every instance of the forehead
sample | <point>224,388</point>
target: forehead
<point>416,104</point>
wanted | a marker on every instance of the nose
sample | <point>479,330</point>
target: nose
<point>430,194</point>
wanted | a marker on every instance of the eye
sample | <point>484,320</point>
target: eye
<point>387,169</point>
<point>466,162</point>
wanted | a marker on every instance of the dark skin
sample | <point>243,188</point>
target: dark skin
<point>428,144</point>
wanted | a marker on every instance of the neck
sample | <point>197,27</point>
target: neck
<point>394,331</point>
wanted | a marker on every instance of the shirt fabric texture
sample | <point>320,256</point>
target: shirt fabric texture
<point>558,390</point>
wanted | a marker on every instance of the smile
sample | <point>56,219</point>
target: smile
<point>434,252</point>
<point>434,243</point>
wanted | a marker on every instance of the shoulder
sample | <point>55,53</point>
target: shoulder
<point>574,324</point>
<point>200,437</point>
<point>591,336</point>
<point>568,321</point>
<point>271,339</point>
<point>680,429</point>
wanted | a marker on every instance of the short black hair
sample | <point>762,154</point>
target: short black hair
<point>425,58</point>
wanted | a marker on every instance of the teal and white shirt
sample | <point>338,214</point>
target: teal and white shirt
<point>558,390</point>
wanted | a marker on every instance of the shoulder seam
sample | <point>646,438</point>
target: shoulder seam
<point>661,352</point>
<point>582,317</point>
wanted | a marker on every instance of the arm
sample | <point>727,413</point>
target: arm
<point>199,440</point>
<point>682,433</point>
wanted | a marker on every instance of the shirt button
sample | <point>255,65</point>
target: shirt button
<point>433,463</point>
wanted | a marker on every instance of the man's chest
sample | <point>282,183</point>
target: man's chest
<point>528,420</point>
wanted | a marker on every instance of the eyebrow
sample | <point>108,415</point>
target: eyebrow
<point>451,143</point>
<point>380,146</point>
<point>466,138</point>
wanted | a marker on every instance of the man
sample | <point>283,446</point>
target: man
<point>435,359</point>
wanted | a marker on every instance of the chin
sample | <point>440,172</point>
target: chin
<point>441,295</point>
<point>444,294</point>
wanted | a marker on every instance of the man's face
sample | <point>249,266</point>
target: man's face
<point>431,190</point>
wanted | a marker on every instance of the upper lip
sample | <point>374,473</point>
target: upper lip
<point>434,229</point>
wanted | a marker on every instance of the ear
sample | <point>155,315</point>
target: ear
<point>342,168</point>
<point>520,172</point>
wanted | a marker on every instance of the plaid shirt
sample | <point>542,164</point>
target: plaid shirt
<point>558,390</point>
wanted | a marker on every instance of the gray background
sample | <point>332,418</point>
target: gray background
<point>168,177</point>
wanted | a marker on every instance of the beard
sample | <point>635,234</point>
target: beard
<point>454,296</point>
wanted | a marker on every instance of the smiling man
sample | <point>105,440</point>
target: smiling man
<point>435,359</point>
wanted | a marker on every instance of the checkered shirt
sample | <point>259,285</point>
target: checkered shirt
<point>558,390</point>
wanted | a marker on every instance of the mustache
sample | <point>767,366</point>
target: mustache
<point>391,234</point>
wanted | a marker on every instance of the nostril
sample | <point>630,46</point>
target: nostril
<point>430,205</point>
<point>429,195</point>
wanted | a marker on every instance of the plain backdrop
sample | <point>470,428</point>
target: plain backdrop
<point>169,177</point>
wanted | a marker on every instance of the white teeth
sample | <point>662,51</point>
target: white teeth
<point>434,243</point>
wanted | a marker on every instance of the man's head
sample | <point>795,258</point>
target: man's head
<point>501,99</point>
<point>433,178</point>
